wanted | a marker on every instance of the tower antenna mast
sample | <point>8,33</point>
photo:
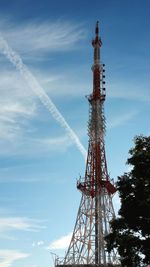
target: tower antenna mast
<point>87,246</point>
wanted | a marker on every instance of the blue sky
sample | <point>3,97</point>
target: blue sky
<point>39,164</point>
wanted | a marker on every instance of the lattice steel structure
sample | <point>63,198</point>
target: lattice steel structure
<point>87,246</point>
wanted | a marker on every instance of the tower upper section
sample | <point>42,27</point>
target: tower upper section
<point>97,68</point>
<point>97,43</point>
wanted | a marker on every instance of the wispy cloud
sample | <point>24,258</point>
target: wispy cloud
<point>55,143</point>
<point>19,107</point>
<point>121,119</point>
<point>16,105</point>
<point>32,82</point>
<point>34,37</point>
<point>17,102</point>
<point>70,86</point>
<point>8,257</point>
<point>33,147</point>
<point>130,91</point>
<point>8,224</point>
<point>61,243</point>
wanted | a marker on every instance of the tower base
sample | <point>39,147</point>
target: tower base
<point>88,265</point>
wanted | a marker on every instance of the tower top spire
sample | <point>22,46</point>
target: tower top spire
<point>97,40</point>
<point>97,28</point>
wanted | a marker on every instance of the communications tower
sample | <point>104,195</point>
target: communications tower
<point>87,246</point>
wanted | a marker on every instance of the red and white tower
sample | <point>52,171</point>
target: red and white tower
<point>87,246</point>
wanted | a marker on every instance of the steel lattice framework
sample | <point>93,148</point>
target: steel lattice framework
<point>87,246</point>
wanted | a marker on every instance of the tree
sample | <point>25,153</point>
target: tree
<point>130,233</point>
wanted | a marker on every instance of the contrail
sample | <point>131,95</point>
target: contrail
<point>16,60</point>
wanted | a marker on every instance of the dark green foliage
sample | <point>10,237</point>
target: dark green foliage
<point>131,230</point>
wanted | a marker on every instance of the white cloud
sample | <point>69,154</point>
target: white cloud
<point>133,92</point>
<point>8,224</point>
<point>34,37</point>
<point>61,243</point>
<point>59,141</point>
<point>38,243</point>
<point>33,147</point>
<point>116,202</point>
<point>121,119</point>
<point>16,60</point>
<point>16,105</point>
<point>17,102</point>
<point>70,86</point>
<point>8,257</point>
